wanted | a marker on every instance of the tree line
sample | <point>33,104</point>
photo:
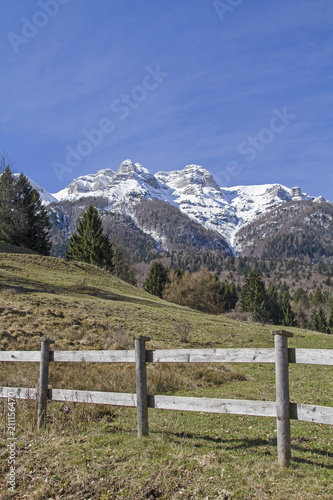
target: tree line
<point>204,291</point>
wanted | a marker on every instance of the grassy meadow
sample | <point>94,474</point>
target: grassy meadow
<point>91,451</point>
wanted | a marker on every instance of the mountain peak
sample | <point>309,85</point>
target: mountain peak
<point>126,167</point>
<point>191,176</point>
<point>193,190</point>
<point>199,175</point>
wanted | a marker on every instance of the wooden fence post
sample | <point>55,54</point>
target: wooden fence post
<point>282,396</point>
<point>141,385</point>
<point>43,381</point>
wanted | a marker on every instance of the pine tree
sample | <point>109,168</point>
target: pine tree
<point>319,321</point>
<point>274,309</point>
<point>121,267</point>
<point>301,296</point>
<point>34,216</point>
<point>287,315</point>
<point>254,297</point>
<point>330,321</point>
<point>23,219</point>
<point>227,296</point>
<point>9,230</point>
<point>89,244</point>
<point>318,297</point>
<point>156,279</point>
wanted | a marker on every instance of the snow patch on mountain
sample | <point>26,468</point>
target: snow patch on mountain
<point>129,184</point>
<point>45,196</point>
<point>193,190</point>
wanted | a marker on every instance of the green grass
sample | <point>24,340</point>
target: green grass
<point>91,451</point>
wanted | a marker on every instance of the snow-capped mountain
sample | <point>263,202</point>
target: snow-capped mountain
<point>45,196</point>
<point>193,190</point>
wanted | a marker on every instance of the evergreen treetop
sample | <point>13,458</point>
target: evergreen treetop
<point>89,244</point>
<point>156,279</point>
<point>254,296</point>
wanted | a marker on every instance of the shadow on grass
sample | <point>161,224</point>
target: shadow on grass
<point>247,443</point>
<point>29,285</point>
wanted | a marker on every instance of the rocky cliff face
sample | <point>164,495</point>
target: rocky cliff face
<point>193,190</point>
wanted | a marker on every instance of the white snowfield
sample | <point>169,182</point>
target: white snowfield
<point>193,190</point>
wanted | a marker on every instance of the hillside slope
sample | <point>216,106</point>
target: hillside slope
<point>8,248</point>
<point>57,298</point>
<point>187,455</point>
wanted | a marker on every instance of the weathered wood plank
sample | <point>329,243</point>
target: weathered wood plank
<point>94,356</point>
<point>18,393</point>
<point>304,356</point>
<point>311,356</point>
<point>306,413</point>
<point>26,356</point>
<point>97,397</point>
<point>311,413</point>
<point>211,356</point>
<point>210,405</point>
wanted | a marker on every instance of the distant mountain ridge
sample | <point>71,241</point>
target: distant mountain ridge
<point>193,190</point>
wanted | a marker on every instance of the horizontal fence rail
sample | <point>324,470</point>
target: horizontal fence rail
<point>311,356</point>
<point>305,413</point>
<point>298,356</point>
<point>211,356</point>
<point>281,409</point>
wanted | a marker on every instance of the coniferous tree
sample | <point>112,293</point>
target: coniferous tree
<point>318,297</point>
<point>254,297</point>
<point>227,296</point>
<point>89,244</point>
<point>287,315</point>
<point>121,267</point>
<point>34,217</point>
<point>23,219</point>
<point>301,296</point>
<point>9,229</point>
<point>156,279</point>
<point>274,308</point>
<point>330,321</point>
<point>319,321</point>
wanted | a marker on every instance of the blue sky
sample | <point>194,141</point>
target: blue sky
<point>243,88</point>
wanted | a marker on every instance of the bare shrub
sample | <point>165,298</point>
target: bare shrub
<point>183,330</point>
<point>119,338</point>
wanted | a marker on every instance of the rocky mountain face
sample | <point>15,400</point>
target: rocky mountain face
<point>152,227</point>
<point>183,209</point>
<point>299,229</point>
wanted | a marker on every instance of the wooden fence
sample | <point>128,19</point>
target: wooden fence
<point>282,409</point>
